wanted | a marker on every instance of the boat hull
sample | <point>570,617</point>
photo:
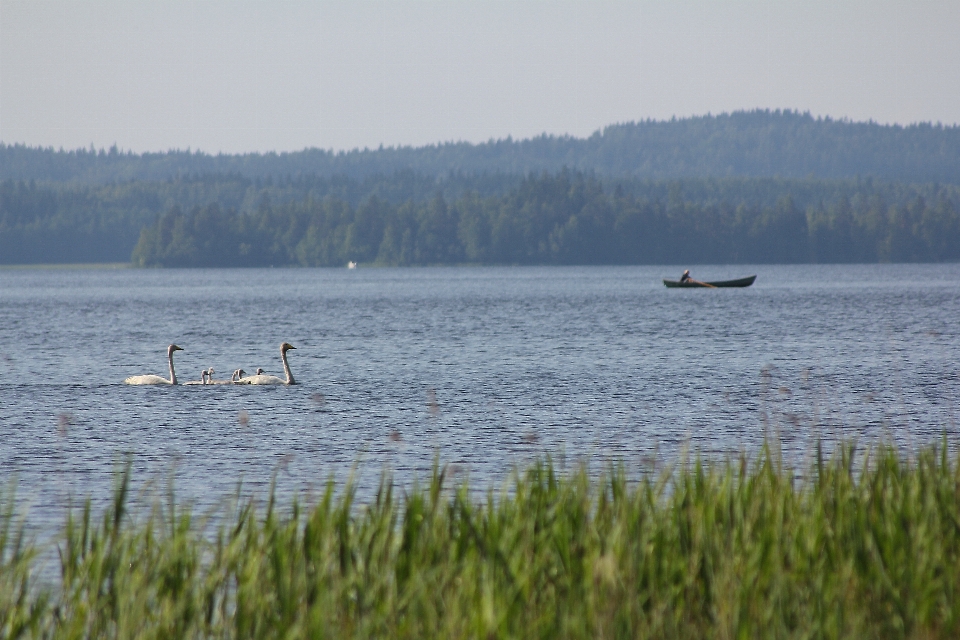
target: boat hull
<point>721,284</point>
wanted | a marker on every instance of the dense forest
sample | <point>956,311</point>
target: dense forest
<point>559,219</point>
<point>758,143</point>
<point>74,222</point>
<point>755,186</point>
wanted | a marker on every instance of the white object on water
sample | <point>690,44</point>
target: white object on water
<point>151,379</point>
<point>261,378</point>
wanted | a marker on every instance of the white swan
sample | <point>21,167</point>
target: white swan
<point>157,379</point>
<point>262,378</point>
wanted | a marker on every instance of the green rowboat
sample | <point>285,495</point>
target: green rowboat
<point>693,284</point>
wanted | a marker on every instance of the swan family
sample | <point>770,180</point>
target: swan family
<point>206,375</point>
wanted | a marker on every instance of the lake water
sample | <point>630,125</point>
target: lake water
<point>483,369</point>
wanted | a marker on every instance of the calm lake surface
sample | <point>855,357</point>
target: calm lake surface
<point>480,368</point>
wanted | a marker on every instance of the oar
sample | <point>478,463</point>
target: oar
<point>702,284</point>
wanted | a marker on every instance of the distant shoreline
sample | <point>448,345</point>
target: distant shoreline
<point>67,267</point>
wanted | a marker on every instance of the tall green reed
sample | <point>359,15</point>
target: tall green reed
<point>22,607</point>
<point>865,545</point>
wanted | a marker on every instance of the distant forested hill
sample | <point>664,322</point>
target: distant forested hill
<point>570,219</point>
<point>561,218</point>
<point>72,222</point>
<point>759,186</point>
<point>784,144</point>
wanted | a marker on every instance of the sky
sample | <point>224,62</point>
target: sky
<point>278,75</point>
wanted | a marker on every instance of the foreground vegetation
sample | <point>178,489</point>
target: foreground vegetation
<point>868,546</point>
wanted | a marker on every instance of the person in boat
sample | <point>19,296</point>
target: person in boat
<point>686,276</point>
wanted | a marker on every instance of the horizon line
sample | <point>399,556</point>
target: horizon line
<point>509,139</point>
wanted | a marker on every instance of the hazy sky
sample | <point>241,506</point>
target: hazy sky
<point>279,75</point>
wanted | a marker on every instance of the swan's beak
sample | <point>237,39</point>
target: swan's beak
<point>176,348</point>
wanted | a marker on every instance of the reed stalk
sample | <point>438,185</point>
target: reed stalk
<point>866,546</point>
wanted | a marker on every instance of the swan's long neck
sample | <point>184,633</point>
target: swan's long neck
<point>173,374</point>
<point>286,368</point>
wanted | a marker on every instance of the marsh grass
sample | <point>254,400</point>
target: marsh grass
<point>867,546</point>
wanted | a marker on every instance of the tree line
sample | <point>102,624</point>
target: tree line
<point>562,218</point>
<point>760,143</point>
<point>407,218</point>
<point>50,222</point>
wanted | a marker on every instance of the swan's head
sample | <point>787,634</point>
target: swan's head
<point>173,348</point>
<point>241,373</point>
<point>286,346</point>
<point>259,371</point>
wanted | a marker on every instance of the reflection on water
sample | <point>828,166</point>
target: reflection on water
<point>483,368</point>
